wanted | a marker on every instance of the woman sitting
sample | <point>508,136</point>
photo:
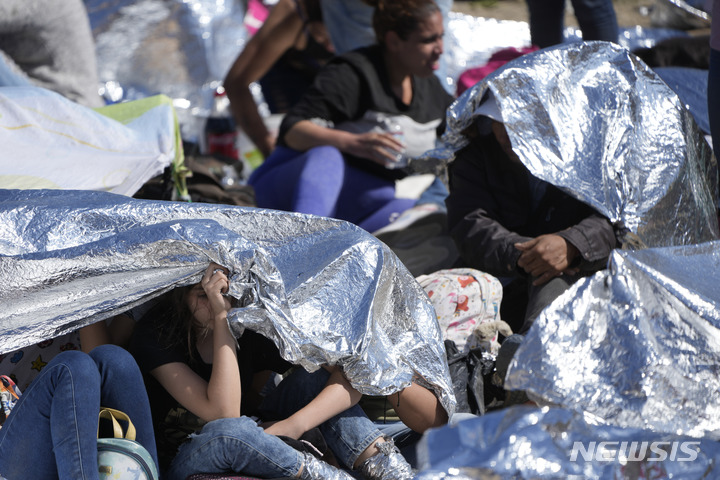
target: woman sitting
<point>206,386</point>
<point>284,56</point>
<point>340,144</point>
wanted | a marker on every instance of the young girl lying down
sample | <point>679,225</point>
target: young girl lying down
<point>186,346</point>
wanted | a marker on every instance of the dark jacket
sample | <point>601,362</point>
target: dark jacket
<point>490,208</point>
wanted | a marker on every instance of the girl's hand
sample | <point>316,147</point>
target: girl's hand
<point>215,284</point>
<point>286,428</point>
<point>378,147</point>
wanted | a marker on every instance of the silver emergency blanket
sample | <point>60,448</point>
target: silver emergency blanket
<point>594,120</point>
<point>180,48</point>
<point>555,443</point>
<point>637,345</point>
<point>325,291</point>
<point>184,49</point>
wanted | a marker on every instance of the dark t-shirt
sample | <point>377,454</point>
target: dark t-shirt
<point>354,88</point>
<point>150,348</point>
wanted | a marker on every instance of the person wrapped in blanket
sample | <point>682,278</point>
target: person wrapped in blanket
<point>536,239</point>
<point>204,389</point>
<point>339,146</point>
<point>52,430</point>
<point>510,224</point>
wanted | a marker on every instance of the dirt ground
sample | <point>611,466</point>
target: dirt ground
<point>629,12</point>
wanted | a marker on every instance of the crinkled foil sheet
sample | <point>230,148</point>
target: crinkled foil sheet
<point>529,443</point>
<point>595,121</point>
<point>636,346</point>
<point>184,48</point>
<point>325,291</point>
<point>180,48</point>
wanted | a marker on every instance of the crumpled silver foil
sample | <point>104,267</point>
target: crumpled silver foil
<point>594,120</point>
<point>184,49</point>
<point>637,345</point>
<point>180,48</point>
<point>325,291</point>
<point>530,443</point>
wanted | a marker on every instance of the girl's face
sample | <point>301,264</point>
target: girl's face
<point>420,53</point>
<point>198,303</point>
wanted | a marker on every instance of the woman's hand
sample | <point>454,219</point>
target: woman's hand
<point>380,148</point>
<point>215,284</point>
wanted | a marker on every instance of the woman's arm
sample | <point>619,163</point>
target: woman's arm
<point>377,147</point>
<point>337,396</point>
<point>220,397</point>
<point>277,34</point>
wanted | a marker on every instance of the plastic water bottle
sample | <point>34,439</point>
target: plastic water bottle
<point>396,130</point>
<point>220,133</point>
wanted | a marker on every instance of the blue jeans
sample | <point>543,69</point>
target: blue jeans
<point>713,94</point>
<point>239,445</point>
<point>596,18</point>
<point>320,182</point>
<point>52,430</point>
<point>349,24</point>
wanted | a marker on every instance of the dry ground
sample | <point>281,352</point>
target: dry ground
<point>629,12</point>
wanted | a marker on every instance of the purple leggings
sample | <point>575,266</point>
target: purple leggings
<point>320,182</point>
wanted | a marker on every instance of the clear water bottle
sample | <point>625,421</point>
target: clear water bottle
<point>396,130</point>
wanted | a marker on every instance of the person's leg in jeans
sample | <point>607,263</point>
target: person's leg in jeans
<point>348,434</point>
<point>597,19</point>
<point>52,430</point>
<point>349,24</point>
<point>122,388</point>
<point>235,445</point>
<point>713,93</point>
<point>546,22</point>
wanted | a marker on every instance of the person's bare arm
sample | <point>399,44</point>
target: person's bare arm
<point>377,147</point>
<point>337,396</point>
<point>278,33</point>
<point>221,396</point>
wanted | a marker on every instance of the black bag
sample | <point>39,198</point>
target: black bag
<point>471,374</point>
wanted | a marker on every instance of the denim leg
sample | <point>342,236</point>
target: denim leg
<point>235,445</point>
<point>435,194</point>
<point>347,434</point>
<point>713,94</point>
<point>349,24</point>
<point>546,22</point>
<point>122,388</point>
<point>597,19</point>
<point>52,430</point>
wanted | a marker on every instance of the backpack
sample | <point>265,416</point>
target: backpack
<point>9,395</point>
<point>121,457</point>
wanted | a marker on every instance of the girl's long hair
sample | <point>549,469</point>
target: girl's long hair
<point>400,16</point>
<point>179,324</point>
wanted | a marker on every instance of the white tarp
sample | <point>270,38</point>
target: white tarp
<point>51,142</point>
